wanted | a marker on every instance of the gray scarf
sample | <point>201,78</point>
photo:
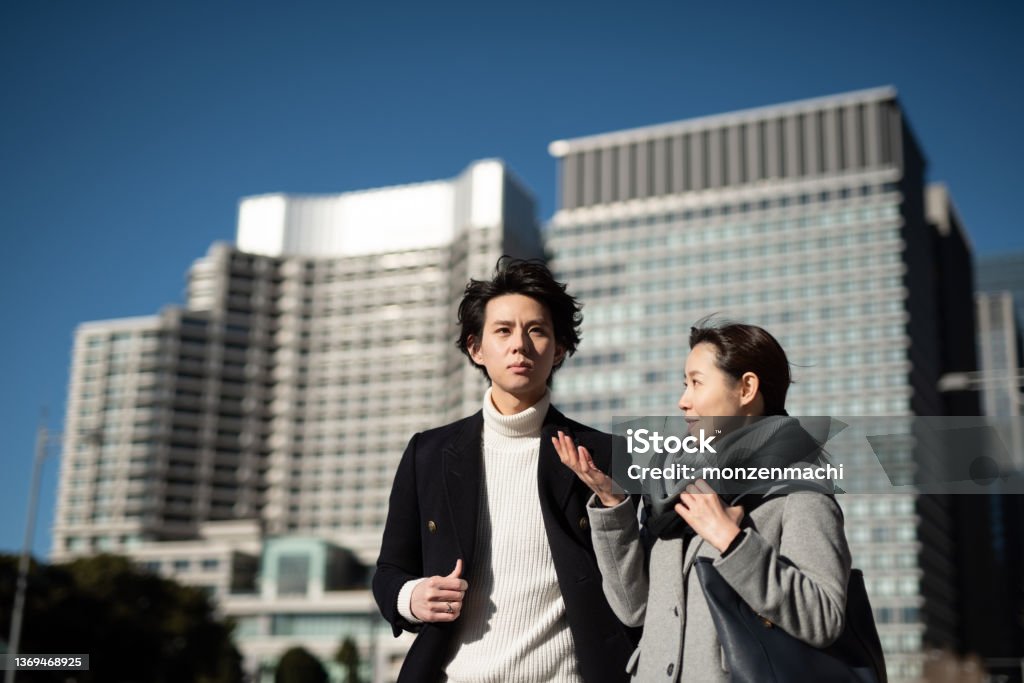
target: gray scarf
<point>772,441</point>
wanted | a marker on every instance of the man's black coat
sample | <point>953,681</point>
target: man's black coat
<point>432,521</point>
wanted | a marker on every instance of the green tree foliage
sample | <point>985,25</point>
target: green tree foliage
<point>297,665</point>
<point>135,626</point>
<point>348,656</point>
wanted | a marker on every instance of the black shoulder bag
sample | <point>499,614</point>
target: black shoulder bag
<point>757,650</point>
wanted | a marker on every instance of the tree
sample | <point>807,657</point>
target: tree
<point>134,625</point>
<point>348,656</point>
<point>297,665</point>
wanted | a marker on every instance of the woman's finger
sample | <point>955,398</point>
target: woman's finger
<point>569,454</point>
<point>586,465</point>
<point>558,449</point>
<point>586,457</point>
<point>570,448</point>
<point>565,453</point>
<point>703,486</point>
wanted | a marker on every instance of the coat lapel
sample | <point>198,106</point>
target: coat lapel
<point>554,479</point>
<point>462,474</point>
<point>689,552</point>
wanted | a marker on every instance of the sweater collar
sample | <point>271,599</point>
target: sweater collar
<point>526,423</point>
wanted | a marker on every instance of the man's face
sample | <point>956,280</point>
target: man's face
<point>517,347</point>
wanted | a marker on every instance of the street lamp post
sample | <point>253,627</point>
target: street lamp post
<point>43,440</point>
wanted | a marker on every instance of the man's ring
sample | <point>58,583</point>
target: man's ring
<point>450,610</point>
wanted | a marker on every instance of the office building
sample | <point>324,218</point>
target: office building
<point>1000,307</point>
<point>809,218</point>
<point>286,388</point>
<point>1003,272</point>
<point>1000,302</point>
<point>1002,361</point>
<point>245,442</point>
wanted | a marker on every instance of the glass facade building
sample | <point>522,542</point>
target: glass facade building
<point>809,218</point>
<point>287,387</point>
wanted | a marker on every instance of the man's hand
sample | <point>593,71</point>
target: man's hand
<point>439,598</point>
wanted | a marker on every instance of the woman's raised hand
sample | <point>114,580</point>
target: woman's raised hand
<point>580,462</point>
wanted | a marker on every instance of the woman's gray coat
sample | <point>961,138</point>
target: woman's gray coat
<point>791,566</point>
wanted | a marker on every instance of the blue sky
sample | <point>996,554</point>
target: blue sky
<point>129,131</point>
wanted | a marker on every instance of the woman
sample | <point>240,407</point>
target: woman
<point>786,556</point>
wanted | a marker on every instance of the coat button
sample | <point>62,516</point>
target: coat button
<point>670,669</point>
<point>431,527</point>
<point>584,523</point>
<point>675,610</point>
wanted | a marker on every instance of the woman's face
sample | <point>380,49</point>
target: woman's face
<point>709,393</point>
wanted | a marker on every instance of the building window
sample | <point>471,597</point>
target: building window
<point>781,146</point>
<point>293,574</point>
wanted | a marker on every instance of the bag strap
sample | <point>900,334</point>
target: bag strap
<point>696,551</point>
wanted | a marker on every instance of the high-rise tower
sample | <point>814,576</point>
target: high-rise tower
<point>286,388</point>
<point>810,219</point>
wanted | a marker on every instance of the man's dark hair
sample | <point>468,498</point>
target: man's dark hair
<point>529,278</point>
<point>741,348</point>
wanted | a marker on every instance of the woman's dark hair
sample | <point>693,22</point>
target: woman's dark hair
<point>743,348</point>
<point>529,278</point>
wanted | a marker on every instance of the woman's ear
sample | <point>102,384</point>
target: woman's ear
<point>750,384</point>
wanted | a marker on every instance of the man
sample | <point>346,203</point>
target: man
<point>487,553</point>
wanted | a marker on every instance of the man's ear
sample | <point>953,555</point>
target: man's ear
<point>473,346</point>
<point>559,354</point>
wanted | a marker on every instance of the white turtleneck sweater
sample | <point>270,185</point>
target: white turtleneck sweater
<point>513,625</point>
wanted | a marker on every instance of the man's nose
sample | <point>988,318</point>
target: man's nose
<point>521,341</point>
